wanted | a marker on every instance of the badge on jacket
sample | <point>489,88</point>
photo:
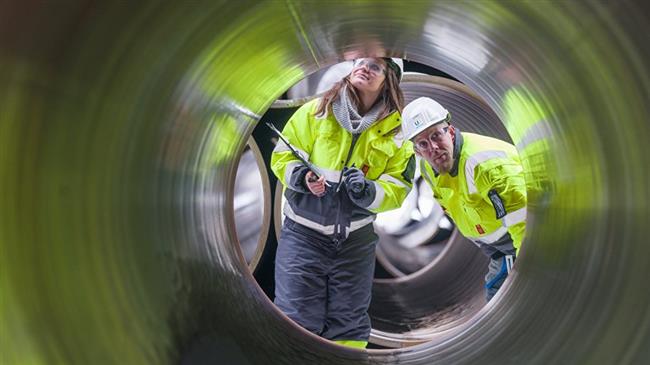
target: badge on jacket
<point>479,229</point>
<point>499,208</point>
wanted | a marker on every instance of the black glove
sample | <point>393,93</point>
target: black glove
<point>360,190</point>
<point>354,179</point>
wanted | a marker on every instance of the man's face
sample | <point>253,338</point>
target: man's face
<point>436,145</point>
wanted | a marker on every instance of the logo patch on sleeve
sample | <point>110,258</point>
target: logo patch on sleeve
<point>499,208</point>
<point>479,229</point>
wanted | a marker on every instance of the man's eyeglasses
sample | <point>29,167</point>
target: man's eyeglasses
<point>435,137</point>
<point>373,66</point>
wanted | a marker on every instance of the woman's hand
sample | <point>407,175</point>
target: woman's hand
<point>354,179</point>
<point>314,184</point>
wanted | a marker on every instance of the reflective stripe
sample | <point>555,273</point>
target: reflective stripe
<point>289,170</point>
<point>380,193</point>
<point>282,147</point>
<point>330,175</point>
<point>515,217</point>
<point>509,263</point>
<point>536,132</point>
<point>476,159</point>
<point>361,223</point>
<point>490,238</point>
<point>425,173</point>
<point>379,196</point>
<point>333,176</point>
<point>510,219</point>
<point>386,177</point>
<point>326,230</point>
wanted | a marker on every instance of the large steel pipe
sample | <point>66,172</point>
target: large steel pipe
<point>121,127</point>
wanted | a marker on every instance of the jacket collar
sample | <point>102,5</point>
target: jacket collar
<point>388,124</point>
<point>458,146</point>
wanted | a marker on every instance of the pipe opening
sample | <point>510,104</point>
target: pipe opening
<point>428,278</point>
<point>121,128</point>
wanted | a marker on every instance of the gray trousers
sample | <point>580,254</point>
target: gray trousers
<point>324,288</point>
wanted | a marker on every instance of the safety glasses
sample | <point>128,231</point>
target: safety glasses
<point>372,65</point>
<point>426,144</point>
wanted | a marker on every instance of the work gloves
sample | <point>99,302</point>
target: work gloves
<point>354,180</point>
<point>360,190</point>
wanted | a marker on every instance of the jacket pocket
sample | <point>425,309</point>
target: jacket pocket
<point>378,156</point>
<point>326,145</point>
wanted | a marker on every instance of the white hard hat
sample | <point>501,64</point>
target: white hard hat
<point>399,70</point>
<point>421,114</point>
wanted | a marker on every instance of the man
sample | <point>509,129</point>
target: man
<point>478,181</point>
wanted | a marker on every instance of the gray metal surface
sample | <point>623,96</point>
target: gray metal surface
<point>120,129</point>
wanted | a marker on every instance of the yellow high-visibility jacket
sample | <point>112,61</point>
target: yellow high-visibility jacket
<point>485,192</point>
<point>384,157</point>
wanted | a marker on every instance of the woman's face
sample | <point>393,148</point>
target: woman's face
<point>368,74</point>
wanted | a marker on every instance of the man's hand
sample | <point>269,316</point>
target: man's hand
<point>314,184</point>
<point>354,180</point>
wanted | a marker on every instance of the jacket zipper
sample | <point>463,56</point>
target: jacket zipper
<point>338,237</point>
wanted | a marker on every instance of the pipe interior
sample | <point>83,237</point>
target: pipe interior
<point>428,278</point>
<point>121,131</point>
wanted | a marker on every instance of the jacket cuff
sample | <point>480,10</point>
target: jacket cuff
<point>297,179</point>
<point>365,197</point>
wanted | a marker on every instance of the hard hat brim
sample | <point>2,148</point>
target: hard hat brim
<point>426,126</point>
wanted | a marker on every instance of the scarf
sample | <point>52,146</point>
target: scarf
<point>348,117</point>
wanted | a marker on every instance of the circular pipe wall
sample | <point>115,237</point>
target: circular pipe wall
<point>122,124</point>
<point>444,285</point>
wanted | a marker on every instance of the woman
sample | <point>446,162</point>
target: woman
<point>326,252</point>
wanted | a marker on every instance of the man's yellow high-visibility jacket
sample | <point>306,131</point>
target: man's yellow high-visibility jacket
<point>485,192</point>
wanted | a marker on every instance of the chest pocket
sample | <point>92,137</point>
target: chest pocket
<point>326,144</point>
<point>485,211</point>
<point>381,150</point>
